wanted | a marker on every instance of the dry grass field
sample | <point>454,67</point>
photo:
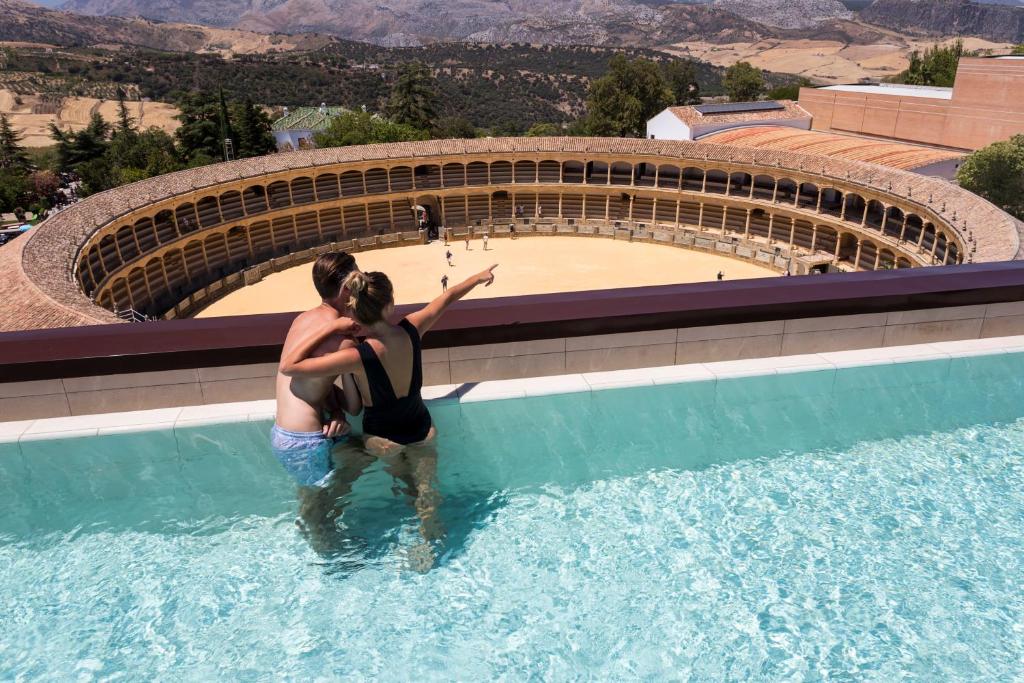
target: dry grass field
<point>30,117</point>
<point>824,61</point>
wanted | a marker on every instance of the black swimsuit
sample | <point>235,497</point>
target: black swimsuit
<point>402,420</point>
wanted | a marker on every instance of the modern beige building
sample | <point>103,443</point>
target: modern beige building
<point>985,105</point>
<point>168,245</point>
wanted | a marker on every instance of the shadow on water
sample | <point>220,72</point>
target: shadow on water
<point>202,481</point>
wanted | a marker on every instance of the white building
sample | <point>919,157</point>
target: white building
<point>695,121</point>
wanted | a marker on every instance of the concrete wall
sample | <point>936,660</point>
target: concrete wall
<point>667,126</point>
<point>987,106</point>
<point>542,357</point>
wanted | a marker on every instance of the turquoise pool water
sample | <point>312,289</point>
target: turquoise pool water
<point>865,524</point>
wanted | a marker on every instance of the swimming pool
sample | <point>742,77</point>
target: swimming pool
<point>847,515</point>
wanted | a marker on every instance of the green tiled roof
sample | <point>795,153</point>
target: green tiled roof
<point>308,118</point>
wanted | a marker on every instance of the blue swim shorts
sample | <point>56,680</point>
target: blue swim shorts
<point>306,456</point>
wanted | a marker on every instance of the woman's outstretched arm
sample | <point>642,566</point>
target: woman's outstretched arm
<point>425,318</point>
<point>297,362</point>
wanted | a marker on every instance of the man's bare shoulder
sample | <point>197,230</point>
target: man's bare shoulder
<point>312,319</point>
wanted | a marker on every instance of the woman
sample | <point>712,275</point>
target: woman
<point>388,370</point>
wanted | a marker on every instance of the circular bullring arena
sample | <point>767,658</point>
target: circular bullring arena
<point>177,245</point>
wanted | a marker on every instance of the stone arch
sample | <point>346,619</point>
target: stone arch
<point>477,173</point>
<point>208,211</point>
<point>763,187</point>
<point>886,259</point>
<point>231,206</point>
<point>847,248</point>
<point>573,172</point>
<point>644,174</point>
<point>351,183</point>
<point>831,201</point>
<point>914,228</point>
<point>278,195</point>
<point>166,231</point>
<point>808,196</point>
<point>400,178</point>
<point>893,222</point>
<point>693,179</point>
<point>126,244</point>
<point>302,191</point>
<point>622,173</point>
<point>238,247</point>
<point>501,172</point>
<point>875,215</point>
<point>254,198</point>
<point>597,173</point>
<point>717,181</point>
<point>826,239</point>
<point>549,171</point>
<point>195,263</point>
<point>453,175</point>
<point>855,208</point>
<point>868,254</point>
<point>326,185</point>
<point>524,171</point>
<point>376,181</point>
<point>216,247</point>
<point>145,235</point>
<point>427,176</point>
<point>669,176</point>
<point>739,183</point>
<point>185,216</point>
<point>786,191</point>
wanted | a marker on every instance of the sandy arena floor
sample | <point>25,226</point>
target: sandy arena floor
<point>530,265</point>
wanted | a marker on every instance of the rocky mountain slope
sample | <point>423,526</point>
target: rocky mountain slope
<point>24,22</point>
<point>997,22</point>
<point>406,22</point>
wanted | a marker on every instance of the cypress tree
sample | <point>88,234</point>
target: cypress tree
<point>12,154</point>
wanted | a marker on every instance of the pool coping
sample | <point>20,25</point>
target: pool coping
<point>185,417</point>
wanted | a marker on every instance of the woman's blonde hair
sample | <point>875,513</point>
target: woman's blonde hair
<point>370,294</point>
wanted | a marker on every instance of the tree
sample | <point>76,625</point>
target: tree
<point>199,134</point>
<point>541,130</point>
<point>1017,49</point>
<point>743,82</point>
<point>363,128</point>
<point>789,91</point>
<point>255,136</point>
<point>452,128</point>
<point>413,100</point>
<point>125,124</point>
<point>681,77</point>
<point>630,93</point>
<point>88,144</point>
<point>12,154</point>
<point>13,188</point>
<point>996,173</point>
<point>936,67</point>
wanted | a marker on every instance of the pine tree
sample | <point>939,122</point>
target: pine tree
<point>12,154</point>
<point>414,97</point>
<point>125,123</point>
<point>255,137</point>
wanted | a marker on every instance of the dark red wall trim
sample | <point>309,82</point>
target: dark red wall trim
<point>176,344</point>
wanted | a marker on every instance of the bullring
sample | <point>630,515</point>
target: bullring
<point>164,245</point>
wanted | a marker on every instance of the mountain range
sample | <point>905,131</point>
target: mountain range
<point>398,23</point>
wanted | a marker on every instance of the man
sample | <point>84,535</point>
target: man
<point>448,257</point>
<point>444,282</point>
<point>311,411</point>
<point>485,241</point>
